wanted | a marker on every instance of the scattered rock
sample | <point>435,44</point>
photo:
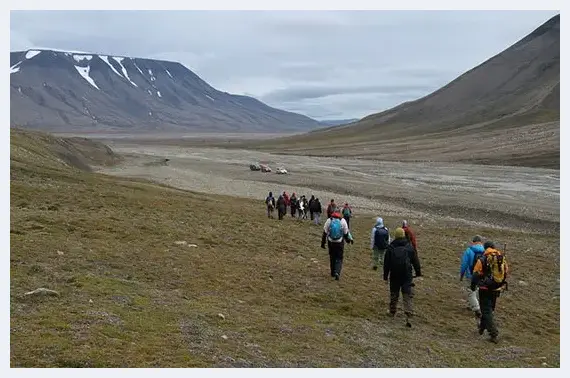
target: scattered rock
<point>192,245</point>
<point>240,301</point>
<point>224,337</point>
<point>523,283</point>
<point>42,291</point>
<point>60,253</point>
<point>91,301</point>
<point>542,358</point>
<point>221,316</point>
<point>180,242</point>
<point>544,364</point>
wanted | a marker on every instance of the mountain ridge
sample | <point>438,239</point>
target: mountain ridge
<point>78,91</point>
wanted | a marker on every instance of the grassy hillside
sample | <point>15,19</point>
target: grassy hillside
<point>131,296</point>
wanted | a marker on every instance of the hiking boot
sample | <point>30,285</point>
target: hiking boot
<point>494,339</point>
<point>336,277</point>
<point>481,331</point>
<point>408,324</point>
<point>374,268</point>
<point>391,314</point>
<point>478,314</point>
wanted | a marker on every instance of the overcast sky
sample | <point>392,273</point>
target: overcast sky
<point>324,64</point>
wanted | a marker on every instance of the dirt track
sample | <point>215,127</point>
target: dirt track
<point>516,198</point>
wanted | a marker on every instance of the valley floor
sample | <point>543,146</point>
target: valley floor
<point>155,276</point>
<point>518,198</point>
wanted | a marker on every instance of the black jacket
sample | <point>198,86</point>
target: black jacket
<point>281,203</point>
<point>401,273</point>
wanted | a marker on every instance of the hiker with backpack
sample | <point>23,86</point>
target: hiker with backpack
<point>399,260</point>
<point>489,275</point>
<point>410,234</point>
<point>335,234</point>
<point>470,256</point>
<point>347,214</point>
<point>281,207</point>
<point>379,241</point>
<point>270,203</point>
<point>331,208</point>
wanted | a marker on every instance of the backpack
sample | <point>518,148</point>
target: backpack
<point>346,212</point>
<point>381,238</point>
<point>335,230</point>
<point>400,260</point>
<point>270,202</point>
<point>494,270</point>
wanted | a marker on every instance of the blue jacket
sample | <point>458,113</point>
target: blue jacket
<point>468,259</point>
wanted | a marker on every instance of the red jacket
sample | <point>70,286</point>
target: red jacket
<point>411,236</point>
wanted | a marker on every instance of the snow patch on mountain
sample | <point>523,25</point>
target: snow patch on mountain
<point>137,67</point>
<point>105,59</point>
<point>158,93</point>
<point>120,60</point>
<point>168,72</point>
<point>80,58</point>
<point>15,68</point>
<point>84,72</point>
<point>31,53</point>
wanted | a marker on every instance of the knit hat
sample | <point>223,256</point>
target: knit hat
<point>405,223</point>
<point>477,239</point>
<point>399,233</point>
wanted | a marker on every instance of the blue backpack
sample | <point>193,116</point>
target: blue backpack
<point>335,230</point>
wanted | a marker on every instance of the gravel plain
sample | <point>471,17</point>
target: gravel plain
<point>519,198</point>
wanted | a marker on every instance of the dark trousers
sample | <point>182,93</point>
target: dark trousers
<point>347,219</point>
<point>312,214</point>
<point>281,212</point>
<point>293,211</point>
<point>397,286</point>
<point>336,255</point>
<point>487,302</point>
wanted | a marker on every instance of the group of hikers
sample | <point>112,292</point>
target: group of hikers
<point>482,262</point>
<point>300,207</point>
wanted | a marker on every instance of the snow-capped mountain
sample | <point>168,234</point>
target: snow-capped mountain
<point>72,91</point>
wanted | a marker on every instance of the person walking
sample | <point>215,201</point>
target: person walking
<point>318,210</point>
<point>270,203</point>
<point>311,207</point>
<point>335,234</point>
<point>294,205</point>
<point>490,276</point>
<point>399,259</point>
<point>281,207</point>
<point>379,241</point>
<point>470,256</point>
<point>347,214</point>
<point>331,208</point>
<point>410,234</point>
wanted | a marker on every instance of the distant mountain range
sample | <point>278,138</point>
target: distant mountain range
<point>72,91</point>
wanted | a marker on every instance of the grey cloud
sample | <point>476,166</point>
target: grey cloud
<point>312,92</point>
